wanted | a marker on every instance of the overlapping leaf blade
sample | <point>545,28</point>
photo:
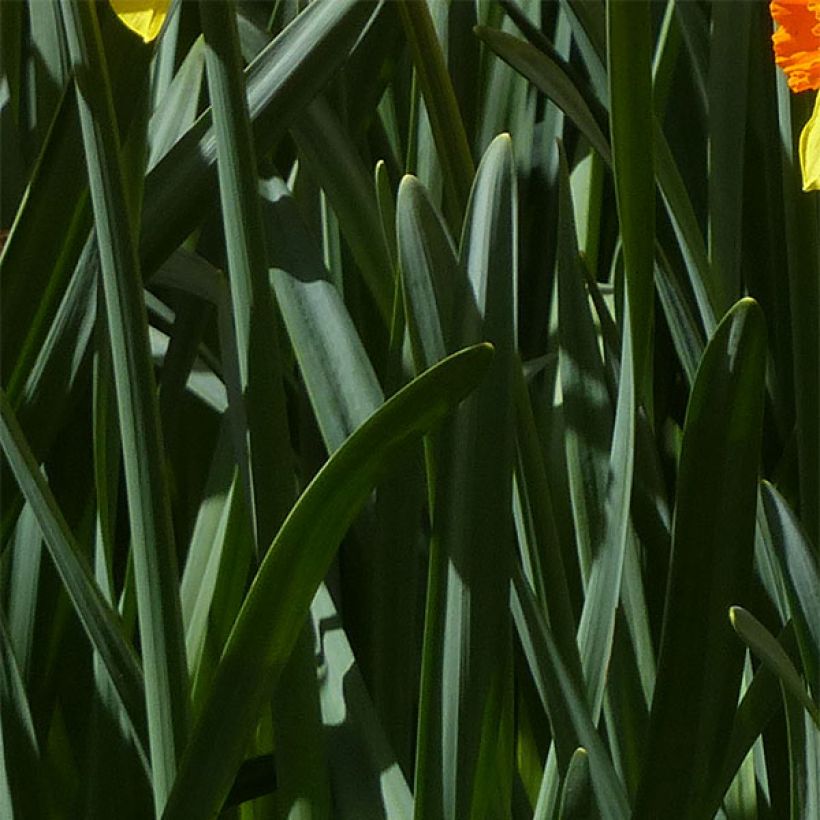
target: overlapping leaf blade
<point>277,604</point>
<point>700,662</point>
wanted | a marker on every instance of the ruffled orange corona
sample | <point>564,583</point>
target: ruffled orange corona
<point>797,52</point>
<point>797,41</point>
<point>145,17</point>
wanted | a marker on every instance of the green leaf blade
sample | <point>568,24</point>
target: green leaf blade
<point>700,663</point>
<point>277,605</point>
<point>631,124</point>
<point>166,678</point>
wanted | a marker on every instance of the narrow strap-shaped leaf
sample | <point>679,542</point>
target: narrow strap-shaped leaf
<point>265,439</point>
<point>325,150</point>
<point>587,406</point>
<point>629,54</point>
<point>555,79</point>
<point>25,559</point>
<point>178,193</point>
<point>546,560</point>
<point>595,631</point>
<point>206,546</point>
<point>118,777</point>
<point>701,661</point>
<point>685,223</point>
<point>396,572</point>
<point>343,390</point>
<point>576,791</point>
<point>440,99</point>
<point>165,56</point>
<point>290,71</point>
<point>45,240</point>
<point>429,268</point>
<point>565,702</point>
<point>686,334</point>
<point>804,761</point>
<point>21,786</point>
<point>800,573</point>
<point>340,380</point>
<point>472,516</point>
<point>760,703</point>
<point>589,30</point>
<point>694,25</point>
<point>362,750</point>
<point>386,204</point>
<point>48,232</point>
<point>52,373</point>
<point>100,621</point>
<point>728,84</point>
<point>177,107</point>
<point>766,647</point>
<point>166,677</point>
<point>269,487</point>
<point>331,157</point>
<point>294,566</point>
<point>607,538</point>
<point>552,78</point>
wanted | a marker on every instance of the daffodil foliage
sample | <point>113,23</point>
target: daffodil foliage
<point>409,409</point>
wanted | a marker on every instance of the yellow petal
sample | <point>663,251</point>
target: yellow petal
<point>810,150</point>
<point>145,17</point>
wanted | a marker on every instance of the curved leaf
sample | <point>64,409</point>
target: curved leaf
<point>701,662</point>
<point>294,566</point>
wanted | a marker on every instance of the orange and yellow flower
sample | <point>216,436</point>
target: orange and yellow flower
<point>797,51</point>
<point>145,17</point>
<point>797,42</point>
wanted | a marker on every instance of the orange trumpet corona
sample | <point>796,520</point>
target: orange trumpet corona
<point>797,42</point>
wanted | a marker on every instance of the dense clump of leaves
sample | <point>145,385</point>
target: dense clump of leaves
<point>409,409</point>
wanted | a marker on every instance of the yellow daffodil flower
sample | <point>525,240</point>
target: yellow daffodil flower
<point>810,150</point>
<point>145,17</point>
<point>797,51</point>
